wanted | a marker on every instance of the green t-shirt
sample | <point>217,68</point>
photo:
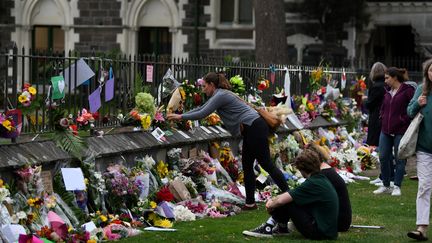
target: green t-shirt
<point>318,194</point>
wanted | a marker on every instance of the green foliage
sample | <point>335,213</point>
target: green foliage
<point>69,198</point>
<point>70,143</point>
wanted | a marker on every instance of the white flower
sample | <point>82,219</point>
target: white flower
<point>21,215</point>
<point>182,213</point>
<point>4,194</point>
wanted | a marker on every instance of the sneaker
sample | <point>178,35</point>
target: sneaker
<point>383,189</point>
<point>279,230</point>
<point>396,191</point>
<point>377,180</point>
<point>262,231</point>
<point>381,184</point>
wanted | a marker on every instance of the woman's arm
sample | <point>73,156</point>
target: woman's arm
<point>413,106</point>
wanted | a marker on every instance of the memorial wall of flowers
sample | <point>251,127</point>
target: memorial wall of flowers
<point>81,204</point>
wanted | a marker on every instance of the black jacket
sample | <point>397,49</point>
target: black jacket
<point>373,104</point>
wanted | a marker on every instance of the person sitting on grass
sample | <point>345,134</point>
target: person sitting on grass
<point>313,206</point>
<point>345,211</point>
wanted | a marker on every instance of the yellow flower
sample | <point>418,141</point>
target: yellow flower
<point>103,218</point>
<point>22,98</point>
<point>152,217</point>
<point>311,107</point>
<point>32,90</point>
<point>145,122</point>
<point>31,202</point>
<point>183,94</point>
<point>92,241</point>
<point>153,204</point>
<point>86,181</point>
<point>164,223</point>
<point>162,169</point>
<point>1,183</point>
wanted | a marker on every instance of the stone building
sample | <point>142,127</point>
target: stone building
<point>206,28</point>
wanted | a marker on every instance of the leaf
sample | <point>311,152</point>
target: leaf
<point>70,143</point>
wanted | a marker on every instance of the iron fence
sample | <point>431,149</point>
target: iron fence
<point>20,66</point>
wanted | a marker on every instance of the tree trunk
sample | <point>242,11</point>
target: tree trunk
<point>271,45</point>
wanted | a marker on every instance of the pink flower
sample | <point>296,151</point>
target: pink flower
<point>159,117</point>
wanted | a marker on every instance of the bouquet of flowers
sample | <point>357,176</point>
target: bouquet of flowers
<point>358,90</point>
<point>123,190</point>
<point>182,213</point>
<point>30,181</point>
<point>211,120</point>
<point>263,84</point>
<point>85,119</point>
<point>228,162</point>
<point>143,113</point>
<point>27,99</point>
<point>191,94</point>
<point>237,85</point>
<point>7,125</point>
<point>159,120</point>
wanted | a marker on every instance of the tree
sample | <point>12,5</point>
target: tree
<point>331,16</point>
<point>270,36</point>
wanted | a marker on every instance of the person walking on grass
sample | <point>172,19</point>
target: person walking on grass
<point>394,123</point>
<point>234,113</point>
<point>313,206</point>
<point>422,102</point>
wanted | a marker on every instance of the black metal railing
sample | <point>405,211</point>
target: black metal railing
<point>21,66</point>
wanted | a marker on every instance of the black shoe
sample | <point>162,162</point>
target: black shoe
<point>279,230</point>
<point>262,231</point>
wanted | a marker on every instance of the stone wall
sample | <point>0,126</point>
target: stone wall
<point>8,21</point>
<point>98,25</point>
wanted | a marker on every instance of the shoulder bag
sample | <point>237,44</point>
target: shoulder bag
<point>408,142</point>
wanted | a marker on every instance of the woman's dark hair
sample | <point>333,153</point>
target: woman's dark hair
<point>401,74</point>
<point>427,83</point>
<point>308,161</point>
<point>218,79</point>
<point>377,71</point>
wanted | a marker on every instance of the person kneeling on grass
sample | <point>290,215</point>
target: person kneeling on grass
<point>313,206</point>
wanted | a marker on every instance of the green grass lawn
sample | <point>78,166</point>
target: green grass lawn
<point>396,214</point>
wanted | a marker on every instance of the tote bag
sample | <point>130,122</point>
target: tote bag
<point>408,143</point>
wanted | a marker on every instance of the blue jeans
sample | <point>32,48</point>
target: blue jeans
<point>388,146</point>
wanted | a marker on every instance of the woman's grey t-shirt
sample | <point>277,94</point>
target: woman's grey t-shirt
<point>229,107</point>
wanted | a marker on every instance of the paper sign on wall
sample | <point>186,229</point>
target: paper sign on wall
<point>95,100</point>
<point>149,76</point>
<point>83,73</point>
<point>109,89</point>
<point>58,87</point>
<point>73,179</point>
